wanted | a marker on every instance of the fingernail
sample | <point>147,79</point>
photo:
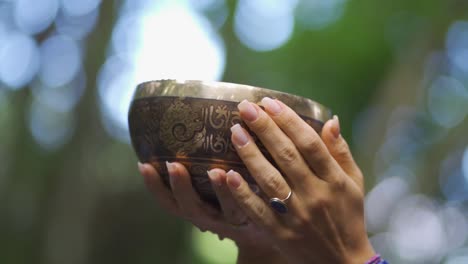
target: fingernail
<point>170,168</point>
<point>214,177</point>
<point>239,137</point>
<point>271,106</point>
<point>140,167</point>
<point>247,111</point>
<point>336,130</point>
<point>233,179</point>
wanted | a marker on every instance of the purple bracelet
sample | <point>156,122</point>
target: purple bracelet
<point>377,259</point>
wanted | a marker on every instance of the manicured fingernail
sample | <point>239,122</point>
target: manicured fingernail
<point>233,179</point>
<point>271,106</point>
<point>140,167</point>
<point>239,136</point>
<point>170,168</point>
<point>248,111</point>
<point>214,177</point>
<point>335,129</point>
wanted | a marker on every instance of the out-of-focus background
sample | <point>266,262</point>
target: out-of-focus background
<point>396,73</point>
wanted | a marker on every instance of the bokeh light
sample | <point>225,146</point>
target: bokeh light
<point>79,8</point>
<point>34,16</point>
<point>76,27</point>
<point>145,48</point>
<point>19,55</point>
<point>317,14</point>
<point>381,243</point>
<point>458,257</point>
<point>382,200</point>
<point>50,128</point>
<point>417,232</point>
<point>447,101</point>
<point>402,133</point>
<point>216,11</point>
<point>115,82</point>
<point>61,98</point>
<point>455,226</point>
<point>61,60</point>
<point>176,51</point>
<point>453,183</point>
<point>457,44</point>
<point>465,163</point>
<point>264,25</point>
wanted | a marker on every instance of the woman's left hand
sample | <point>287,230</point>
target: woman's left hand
<point>183,201</point>
<point>324,222</point>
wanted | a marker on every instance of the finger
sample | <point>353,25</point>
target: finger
<point>255,208</point>
<point>306,139</point>
<point>155,185</point>
<point>232,212</point>
<point>265,174</point>
<point>189,202</point>
<point>339,149</point>
<point>279,145</point>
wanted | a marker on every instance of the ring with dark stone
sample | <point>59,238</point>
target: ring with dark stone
<point>279,205</point>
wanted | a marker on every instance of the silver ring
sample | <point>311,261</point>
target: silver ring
<point>279,205</point>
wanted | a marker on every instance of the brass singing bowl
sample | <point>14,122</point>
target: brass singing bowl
<point>189,122</point>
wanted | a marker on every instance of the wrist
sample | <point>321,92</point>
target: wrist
<point>363,254</point>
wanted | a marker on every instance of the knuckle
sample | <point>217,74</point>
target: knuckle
<point>318,204</point>
<point>342,149</point>
<point>311,145</point>
<point>288,236</point>
<point>282,234</point>
<point>287,154</point>
<point>261,211</point>
<point>303,221</point>
<point>261,126</point>
<point>338,183</point>
<point>248,154</point>
<point>244,197</point>
<point>274,182</point>
<point>289,120</point>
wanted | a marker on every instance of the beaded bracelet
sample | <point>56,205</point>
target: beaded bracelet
<point>377,259</point>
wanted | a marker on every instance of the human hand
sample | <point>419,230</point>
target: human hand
<point>325,218</point>
<point>182,201</point>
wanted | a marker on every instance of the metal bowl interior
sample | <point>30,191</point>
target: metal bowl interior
<point>189,122</point>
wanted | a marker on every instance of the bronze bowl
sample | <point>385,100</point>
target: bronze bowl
<point>189,122</point>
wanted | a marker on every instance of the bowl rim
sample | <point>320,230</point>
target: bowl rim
<point>230,92</point>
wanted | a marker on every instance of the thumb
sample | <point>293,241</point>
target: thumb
<point>339,149</point>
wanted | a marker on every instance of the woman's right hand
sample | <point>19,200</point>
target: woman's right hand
<point>315,206</point>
